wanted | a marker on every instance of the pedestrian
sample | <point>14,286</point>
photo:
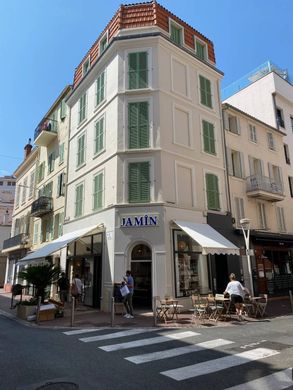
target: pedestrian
<point>77,288</point>
<point>236,292</point>
<point>127,300</point>
<point>63,286</point>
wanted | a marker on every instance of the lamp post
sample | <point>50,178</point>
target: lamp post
<point>245,226</point>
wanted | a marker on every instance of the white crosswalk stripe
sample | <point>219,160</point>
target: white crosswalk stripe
<point>168,353</point>
<point>116,335</point>
<point>81,331</point>
<point>149,341</point>
<point>212,366</point>
<point>277,381</point>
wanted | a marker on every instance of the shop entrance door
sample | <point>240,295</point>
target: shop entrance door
<point>222,276</point>
<point>141,268</point>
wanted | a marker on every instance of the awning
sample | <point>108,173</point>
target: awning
<point>57,244</point>
<point>211,241</point>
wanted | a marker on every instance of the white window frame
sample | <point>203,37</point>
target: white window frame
<point>203,43</point>
<point>101,172</point>
<point>252,133</point>
<point>179,26</point>
<point>95,154</point>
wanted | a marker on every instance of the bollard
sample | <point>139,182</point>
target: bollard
<point>155,311</point>
<point>72,310</point>
<point>291,300</point>
<point>38,310</point>
<point>112,310</point>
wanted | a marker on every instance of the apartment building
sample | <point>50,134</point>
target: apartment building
<point>146,162</point>
<point>19,242</point>
<point>259,191</point>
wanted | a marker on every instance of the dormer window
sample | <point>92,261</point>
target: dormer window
<point>86,66</point>
<point>103,43</point>
<point>176,33</point>
<point>201,49</point>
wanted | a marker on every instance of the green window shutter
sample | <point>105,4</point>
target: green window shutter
<point>138,125</point>
<point>100,88</point>
<point>62,110</point>
<point>78,200</point>
<point>205,91</point>
<point>208,137</point>
<point>137,70</point>
<point>60,226</point>
<point>139,182</point>
<point>176,34</point>
<point>98,191</point>
<point>213,196</point>
<point>82,108</point>
<point>99,136</point>
<point>80,150</point>
<point>200,50</point>
<point>61,153</point>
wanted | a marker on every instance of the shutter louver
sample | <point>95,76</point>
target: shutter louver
<point>139,182</point>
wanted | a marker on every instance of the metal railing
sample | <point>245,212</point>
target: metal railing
<point>47,124</point>
<point>19,239</point>
<point>263,183</point>
<point>42,205</point>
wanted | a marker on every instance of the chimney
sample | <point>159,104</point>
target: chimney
<point>28,148</point>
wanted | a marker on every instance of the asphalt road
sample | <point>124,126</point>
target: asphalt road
<point>193,358</point>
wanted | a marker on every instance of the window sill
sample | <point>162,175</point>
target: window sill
<point>80,166</point>
<point>96,155</point>
<point>100,106</point>
<point>137,90</point>
<point>81,123</point>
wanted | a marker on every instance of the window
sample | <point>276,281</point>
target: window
<point>205,92</point>
<point>41,172</point>
<point>239,210</point>
<point>103,44</point>
<point>208,137</point>
<point>291,120</point>
<point>82,108</point>
<point>255,166</point>
<point>60,225</point>
<point>235,163</point>
<point>9,183</point>
<point>54,121</point>
<point>48,229</point>
<point>138,70</point>
<point>98,193</point>
<point>252,133</point>
<point>100,88</point>
<point>187,269</point>
<point>176,33</point>
<point>290,179</point>
<point>262,216</point>
<point>17,195</point>
<point>51,162</point>
<point>287,155</point>
<point>17,227</point>
<point>138,125</point>
<point>212,188</point>
<point>201,49</point>
<point>32,184</point>
<point>63,109</point>
<point>81,150</point>
<point>47,190</point>
<point>86,67</point>
<point>280,117</point>
<point>36,233</point>
<point>79,200</point>
<point>271,143</point>
<point>99,136</point>
<point>1,183</point>
<point>233,125</point>
<point>24,187</point>
<point>61,184</point>
<point>281,219</point>
<point>139,182</point>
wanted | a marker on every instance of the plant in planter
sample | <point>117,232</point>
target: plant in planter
<point>40,276</point>
<point>26,308</point>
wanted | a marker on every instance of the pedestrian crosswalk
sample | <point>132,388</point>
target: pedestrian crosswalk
<point>190,346</point>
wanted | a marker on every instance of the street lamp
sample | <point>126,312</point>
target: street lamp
<point>245,226</point>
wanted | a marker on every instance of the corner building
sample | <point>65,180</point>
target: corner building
<point>146,165</point>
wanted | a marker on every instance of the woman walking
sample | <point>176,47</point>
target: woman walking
<point>237,293</point>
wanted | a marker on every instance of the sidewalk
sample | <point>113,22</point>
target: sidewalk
<point>85,317</point>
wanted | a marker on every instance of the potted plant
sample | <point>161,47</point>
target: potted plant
<point>40,276</point>
<point>26,308</point>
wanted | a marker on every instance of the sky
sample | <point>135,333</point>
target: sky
<point>43,41</point>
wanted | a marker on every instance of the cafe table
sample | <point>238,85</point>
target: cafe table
<point>169,306</point>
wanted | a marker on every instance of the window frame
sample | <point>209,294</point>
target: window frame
<point>271,141</point>
<point>86,66</point>
<point>205,97</point>
<point>82,108</point>
<point>139,182</point>
<point>204,46</point>
<point>99,99</point>
<point>104,38</point>
<point>139,132</point>
<point>208,138</point>
<point>81,163</point>
<point>138,85</point>
<point>103,148</point>
<point>252,133</point>
<point>215,191</point>
<point>262,218</point>
<point>76,206</point>
<point>101,192</point>
<point>178,27</point>
<point>281,222</point>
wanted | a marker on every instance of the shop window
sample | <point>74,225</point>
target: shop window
<point>84,246</point>
<point>97,243</point>
<point>186,256</point>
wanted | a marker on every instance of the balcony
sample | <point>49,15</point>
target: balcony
<point>43,205</point>
<point>13,243</point>
<point>264,188</point>
<point>46,132</point>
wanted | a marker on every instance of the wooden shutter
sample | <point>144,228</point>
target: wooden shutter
<point>62,109</point>
<point>100,88</point>
<point>208,137</point>
<point>132,70</point>
<point>139,182</point>
<point>241,155</point>
<point>229,161</point>
<point>212,192</point>
<point>138,125</point>
<point>78,200</point>
<point>143,70</point>
<point>98,191</point>
<point>99,139</point>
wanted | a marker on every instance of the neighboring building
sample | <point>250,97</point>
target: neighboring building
<point>7,190</point>
<point>19,243</point>
<point>260,191</point>
<point>146,163</point>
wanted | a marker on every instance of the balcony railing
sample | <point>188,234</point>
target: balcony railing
<point>43,205</point>
<point>264,188</point>
<point>16,241</point>
<point>46,131</point>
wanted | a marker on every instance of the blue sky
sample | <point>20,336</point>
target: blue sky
<point>41,43</point>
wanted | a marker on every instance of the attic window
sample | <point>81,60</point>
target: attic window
<point>201,49</point>
<point>103,43</point>
<point>86,66</point>
<point>176,33</point>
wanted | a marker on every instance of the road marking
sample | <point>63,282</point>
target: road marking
<point>116,335</point>
<point>215,365</point>
<point>149,357</point>
<point>279,380</point>
<point>150,341</point>
<point>81,331</point>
